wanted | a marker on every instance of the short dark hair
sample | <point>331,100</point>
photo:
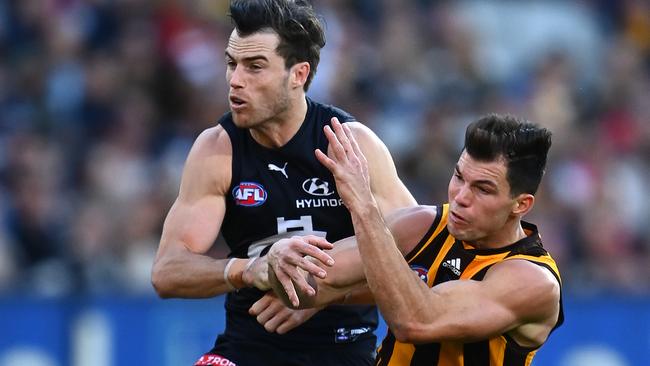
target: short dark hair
<point>299,28</point>
<point>522,144</point>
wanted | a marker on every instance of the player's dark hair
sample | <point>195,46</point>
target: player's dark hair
<point>522,144</point>
<point>299,28</point>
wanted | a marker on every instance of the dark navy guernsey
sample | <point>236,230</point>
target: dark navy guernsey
<point>276,193</point>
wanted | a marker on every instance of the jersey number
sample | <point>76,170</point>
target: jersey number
<point>286,229</point>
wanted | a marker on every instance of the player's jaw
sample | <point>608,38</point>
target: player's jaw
<point>249,111</point>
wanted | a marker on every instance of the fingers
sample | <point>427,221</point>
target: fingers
<point>287,285</point>
<point>274,310</point>
<point>325,160</point>
<point>336,149</point>
<point>261,304</point>
<point>318,241</point>
<point>296,318</point>
<point>275,320</point>
<point>343,138</point>
<point>353,143</point>
<point>315,250</point>
<point>275,317</point>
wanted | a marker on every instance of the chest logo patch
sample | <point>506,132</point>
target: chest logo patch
<point>317,187</point>
<point>422,272</point>
<point>249,194</point>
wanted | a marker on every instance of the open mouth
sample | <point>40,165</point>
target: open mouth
<point>236,102</point>
<point>457,218</point>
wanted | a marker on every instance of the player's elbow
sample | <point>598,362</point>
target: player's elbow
<point>160,282</point>
<point>417,332</point>
<point>406,331</point>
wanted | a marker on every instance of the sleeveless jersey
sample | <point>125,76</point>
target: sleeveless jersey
<point>278,193</point>
<point>438,258</point>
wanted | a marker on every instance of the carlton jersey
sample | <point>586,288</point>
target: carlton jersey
<point>438,258</point>
<point>278,193</point>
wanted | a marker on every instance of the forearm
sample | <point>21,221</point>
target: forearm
<point>391,281</point>
<point>190,275</point>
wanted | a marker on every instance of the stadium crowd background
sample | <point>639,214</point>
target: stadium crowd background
<point>100,101</point>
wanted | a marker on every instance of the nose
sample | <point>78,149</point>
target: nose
<point>236,77</point>
<point>463,195</point>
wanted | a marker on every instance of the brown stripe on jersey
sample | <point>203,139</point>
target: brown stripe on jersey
<point>426,354</point>
<point>385,351</point>
<point>477,353</point>
<point>451,354</point>
<point>515,357</point>
<point>445,272</point>
<point>439,223</point>
<point>439,257</point>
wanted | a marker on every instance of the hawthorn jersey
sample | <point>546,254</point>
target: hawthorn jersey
<point>438,258</point>
<point>278,193</point>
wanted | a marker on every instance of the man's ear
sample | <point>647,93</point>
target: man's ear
<point>298,74</point>
<point>523,204</point>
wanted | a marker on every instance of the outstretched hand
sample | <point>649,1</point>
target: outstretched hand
<point>287,259</point>
<point>347,163</point>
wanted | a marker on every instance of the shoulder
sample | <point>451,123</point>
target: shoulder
<point>329,111</point>
<point>208,166</point>
<point>213,140</point>
<point>367,139</point>
<point>410,224</point>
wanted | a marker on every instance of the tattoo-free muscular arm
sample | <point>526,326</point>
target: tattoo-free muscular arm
<point>181,267</point>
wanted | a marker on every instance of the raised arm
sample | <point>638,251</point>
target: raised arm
<point>182,267</point>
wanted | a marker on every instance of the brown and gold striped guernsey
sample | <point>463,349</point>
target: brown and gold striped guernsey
<point>438,258</point>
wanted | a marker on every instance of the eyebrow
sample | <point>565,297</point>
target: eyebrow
<point>250,58</point>
<point>480,181</point>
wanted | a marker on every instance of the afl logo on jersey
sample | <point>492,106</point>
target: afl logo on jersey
<point>422,272</point>
<point>317,187</point>
<point>249,194</point>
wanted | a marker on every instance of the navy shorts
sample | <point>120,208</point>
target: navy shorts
<point>242,353</point>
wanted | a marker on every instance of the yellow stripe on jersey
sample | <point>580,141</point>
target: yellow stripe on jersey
<point>433,269</point>
<point>481,262</point>
<point>497,350</point>
<point>402,354</point>
<point>441,225</point>
<point>546,259</point>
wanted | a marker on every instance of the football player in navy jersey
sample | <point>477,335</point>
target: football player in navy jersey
<point>254,179</point>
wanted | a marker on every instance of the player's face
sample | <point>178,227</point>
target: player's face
<point>480,202</point>
<point>257,79</point>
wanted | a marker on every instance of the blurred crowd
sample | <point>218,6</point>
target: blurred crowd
<point>100,101</point>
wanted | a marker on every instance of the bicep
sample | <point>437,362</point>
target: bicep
<point>471,312</point>
<point>195,218</point>
<point>512,293</point>
<point>193,225</point>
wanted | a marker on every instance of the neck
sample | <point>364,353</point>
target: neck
<point>277,131</point>
<point>511,233</point>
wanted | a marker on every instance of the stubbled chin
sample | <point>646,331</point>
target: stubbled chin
<point>458,234</point>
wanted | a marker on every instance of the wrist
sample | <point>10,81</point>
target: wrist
<point>233,272</point>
